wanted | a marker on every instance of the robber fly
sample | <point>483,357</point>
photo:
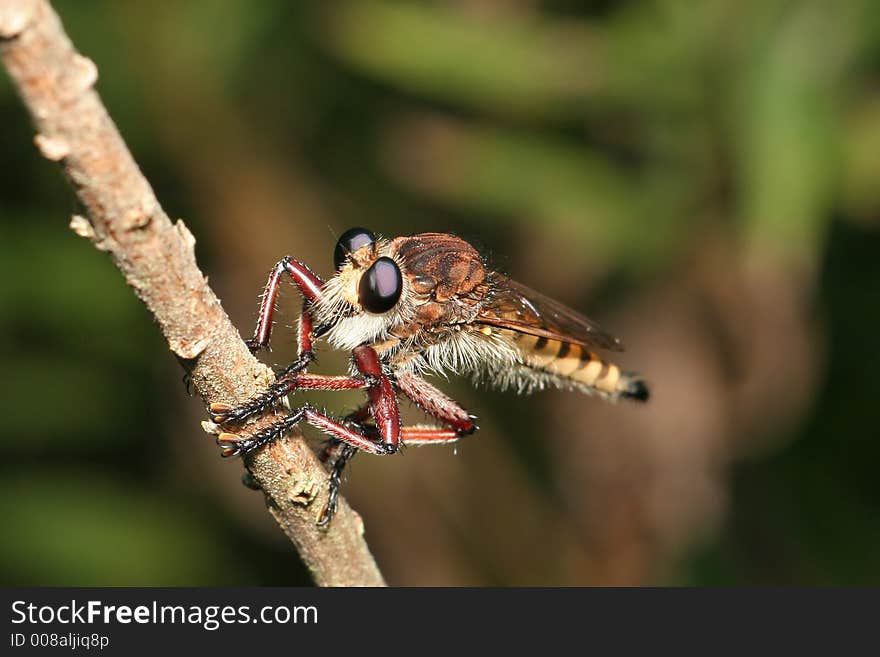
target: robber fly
<point>410,307</point>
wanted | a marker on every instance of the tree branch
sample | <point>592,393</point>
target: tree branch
<point>158,262</point>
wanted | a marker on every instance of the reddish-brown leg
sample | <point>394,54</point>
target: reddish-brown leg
<point>234,444</point>
<point>382,404</point>
<point>381,395</point>
<point>305,336</point>
<point>344,453</point>
<point>428,435</point>
<point>427,397</point>
<point>382,400</point>
<point>225,413</point>
<point>354,420</point>
<point>437,405</point>
<point>309,285</point>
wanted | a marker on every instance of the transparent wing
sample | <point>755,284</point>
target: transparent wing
<point>519,308</point>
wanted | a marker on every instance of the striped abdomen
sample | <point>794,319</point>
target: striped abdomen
<point>579,365</point>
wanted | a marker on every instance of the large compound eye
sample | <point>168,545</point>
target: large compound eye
<point>349,242</point>
<point>380,286</point>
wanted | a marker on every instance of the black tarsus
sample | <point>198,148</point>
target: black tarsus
<point>243,446</point>
<point>267,399</point>
<point>302,362</point>
<point>346,453</point>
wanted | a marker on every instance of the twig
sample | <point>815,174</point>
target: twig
<point>158,262</point>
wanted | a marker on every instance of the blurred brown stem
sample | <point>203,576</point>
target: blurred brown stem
<point>158,262</point>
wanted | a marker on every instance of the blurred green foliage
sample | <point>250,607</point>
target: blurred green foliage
<point>635,133</point>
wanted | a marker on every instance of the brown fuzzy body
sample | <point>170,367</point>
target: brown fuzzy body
<point>457,315</point>
<point>446,274</point>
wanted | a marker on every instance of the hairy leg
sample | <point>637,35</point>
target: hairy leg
<point>225,413</point>
<point>346,453</point>
<point>381,402</point>
<point>437,405</point>
<point>234,444</point>
<point>309,285</point>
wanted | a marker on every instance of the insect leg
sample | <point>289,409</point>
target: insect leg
<point>382,404</point>
<point>223,413</point>
<point>291,378</point>
<point>381,396</point>
<point>309,285</point>
<point>233,444</point>
<point>346,453</point>
<point>354,421</point>
<point>437,405</point>
<point>428,435</point>
<point>443,408</point>
<point>305,351</point>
